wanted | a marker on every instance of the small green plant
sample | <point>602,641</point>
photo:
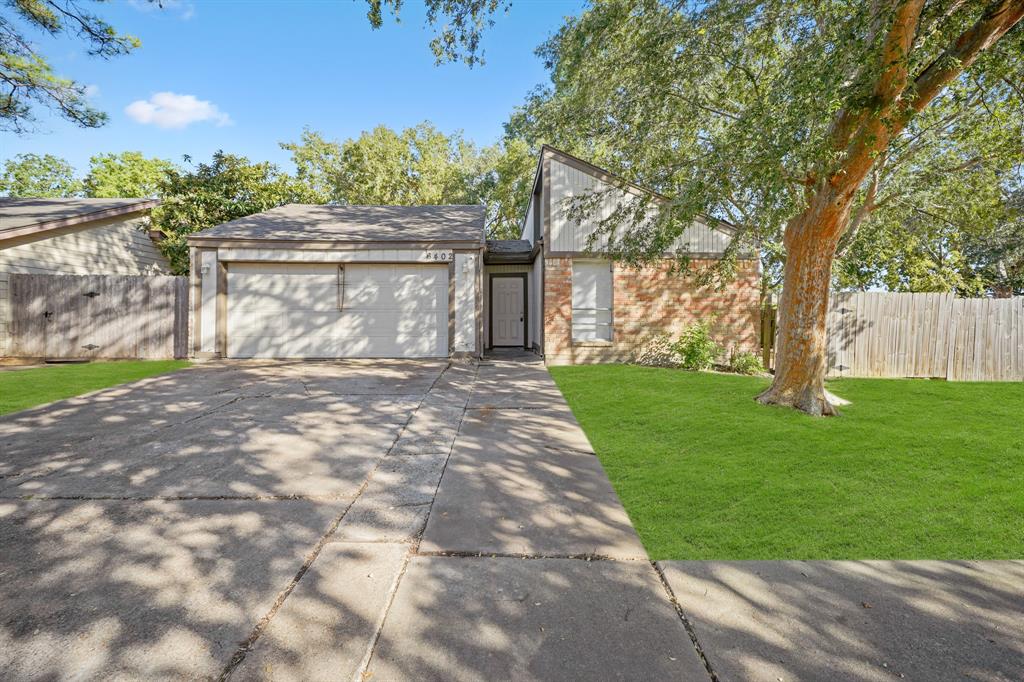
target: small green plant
<point>745,362</point>
<point>695,347</point>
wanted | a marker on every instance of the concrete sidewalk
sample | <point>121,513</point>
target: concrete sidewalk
<point>855,620</point>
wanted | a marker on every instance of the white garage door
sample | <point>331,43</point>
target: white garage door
<point>292,310</point>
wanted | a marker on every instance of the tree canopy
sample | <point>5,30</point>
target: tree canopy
<point>459,25</point>
<point>418,165</point>
<point>34,175</point>
<point>729,106</point>
<point>812,127</point>
<point>128,174</point>
<point>209,194</point>
<point>27,79</point>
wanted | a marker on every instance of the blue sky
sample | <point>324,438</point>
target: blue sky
<point>251,74</point>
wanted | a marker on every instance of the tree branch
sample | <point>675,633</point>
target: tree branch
<point>998,18</point>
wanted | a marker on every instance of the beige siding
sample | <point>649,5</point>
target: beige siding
<point>357,254</point>
<point>569,237</point>
<point>466,273</point>
<point>536,300</point>
<point>527,231</point>
<point>114,247</point>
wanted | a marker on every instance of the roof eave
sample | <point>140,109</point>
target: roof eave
<point>257,242</point>
<point>79,220</point>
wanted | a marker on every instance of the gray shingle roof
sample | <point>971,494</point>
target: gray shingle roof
<point>305,222</point>
<point>509,246</point>
<point>27,216</point>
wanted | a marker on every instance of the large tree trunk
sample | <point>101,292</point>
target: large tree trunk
<point>801,363</point>
<point>860,134</point>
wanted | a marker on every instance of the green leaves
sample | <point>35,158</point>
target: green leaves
<point>26,78</point>
<point>32,175</point>
<point>125,175</point>
<point>128,175</point>
<point>460,24</point>
<point>419,165</point>
<point>731,108</point>
<point>227,188</point>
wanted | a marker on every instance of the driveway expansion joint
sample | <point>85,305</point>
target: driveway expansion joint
<point>687,625</point>
<point>364,665</point>
<point>261,626</point>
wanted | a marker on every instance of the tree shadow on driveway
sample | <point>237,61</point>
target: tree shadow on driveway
<point>147,529</point>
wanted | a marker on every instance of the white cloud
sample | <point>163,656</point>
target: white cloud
<point>92,91</point>
<point>171,110</point>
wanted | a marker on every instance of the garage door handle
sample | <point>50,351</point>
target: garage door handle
<point>520,318</point>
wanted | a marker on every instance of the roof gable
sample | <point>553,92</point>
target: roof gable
<point>706,244</point>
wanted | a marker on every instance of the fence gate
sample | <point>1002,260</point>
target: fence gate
<point>98,316</point>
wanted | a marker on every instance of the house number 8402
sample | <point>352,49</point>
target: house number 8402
<point>438,256</point>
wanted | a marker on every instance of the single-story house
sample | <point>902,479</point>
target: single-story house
<point>74,237</point>
<point>304,281</point>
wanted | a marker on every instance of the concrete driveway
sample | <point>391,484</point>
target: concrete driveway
<point>412,521</point>
<point>270,520</point>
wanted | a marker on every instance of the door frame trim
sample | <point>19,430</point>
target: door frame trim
<point>526,310</point>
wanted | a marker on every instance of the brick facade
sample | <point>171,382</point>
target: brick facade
<point>648,301</point>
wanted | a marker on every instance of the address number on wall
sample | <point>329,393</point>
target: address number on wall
<point>434,256</point>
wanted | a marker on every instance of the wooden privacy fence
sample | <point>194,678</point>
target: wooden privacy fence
<point>98,316</point>
<point>926,335</point>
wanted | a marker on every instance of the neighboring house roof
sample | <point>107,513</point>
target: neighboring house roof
<point>306,222</point>
<point>20,217</point>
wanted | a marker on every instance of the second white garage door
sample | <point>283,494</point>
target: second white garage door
<point>285,310</point>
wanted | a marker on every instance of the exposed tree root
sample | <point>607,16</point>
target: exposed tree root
<point>812,400</point>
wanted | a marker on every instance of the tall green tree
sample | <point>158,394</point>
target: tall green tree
<point>27,79</point>
<point>418,165</point>
<point>997,256</point>
<point>128,175</point>
<point>209,194</point>
<point>800,122</point>
<point>32,175</point>
<point>505,184</point>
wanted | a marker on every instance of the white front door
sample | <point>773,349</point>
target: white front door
<point>298,310</point>
<point>507,313</point>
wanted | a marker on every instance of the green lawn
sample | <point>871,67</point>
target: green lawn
<point>20,389</point>
<point>914,469</point>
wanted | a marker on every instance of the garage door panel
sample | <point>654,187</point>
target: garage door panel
<point>396,275</point>
<point>291,310</point>
<point>396,298</point>
<point>330,347</point>
<point>343,325</point>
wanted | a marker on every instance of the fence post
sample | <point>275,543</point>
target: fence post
<point>768,325</point>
